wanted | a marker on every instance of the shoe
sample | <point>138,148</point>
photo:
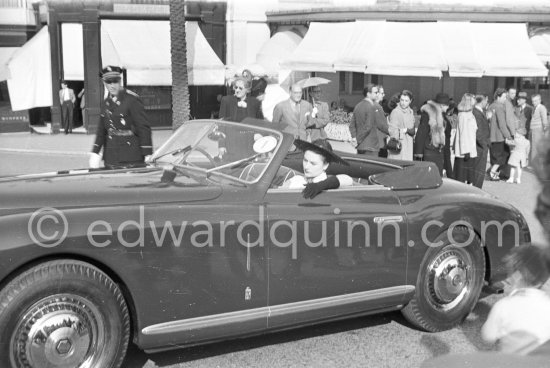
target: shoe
<point>66,132</point>
<point>510,181</point>
<point>518,181</point>
<point>494,176</point>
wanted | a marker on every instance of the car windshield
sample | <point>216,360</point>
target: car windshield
<point>222,149</point>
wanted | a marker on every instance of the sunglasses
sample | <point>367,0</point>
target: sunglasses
<point>112,81</point>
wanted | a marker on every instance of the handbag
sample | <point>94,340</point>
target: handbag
<point>393,145</point>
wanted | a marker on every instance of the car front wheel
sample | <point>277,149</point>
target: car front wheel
<point>449,283</point>
<point>63,313</point>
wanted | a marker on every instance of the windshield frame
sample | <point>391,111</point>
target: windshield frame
<point>278,134</point>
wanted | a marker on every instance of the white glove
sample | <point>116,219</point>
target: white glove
<point>147,159</point>
<point>94,161</point>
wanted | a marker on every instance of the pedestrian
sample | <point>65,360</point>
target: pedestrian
<point>524,112</point>
<point>465,140</point>
<point>67,100</point>
<point>520,322</point>
<point>518,156</point>
<point>239,105</point>
<point>365,121</point>
<point>382,122</point>
<point>483,140</point>
<point>510,104</point>
<point>293,115</point>
<point>82,97</point>
<point>431,136</point>
<point>124,132</point>
<point>538,127</point>
<point>401,127</point>
<point>500,131</point>
<point>320,114</point>
<point>237,143</point>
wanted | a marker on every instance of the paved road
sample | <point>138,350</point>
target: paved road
<point>376,341</point>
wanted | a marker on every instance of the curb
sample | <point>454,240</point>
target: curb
<point>43,152</point>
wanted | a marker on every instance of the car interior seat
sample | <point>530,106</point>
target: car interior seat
<point>253,171</point>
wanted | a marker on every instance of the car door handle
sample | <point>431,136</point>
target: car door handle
<point>384,219</point>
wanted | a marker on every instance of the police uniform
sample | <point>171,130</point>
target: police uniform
<point>123,131</point>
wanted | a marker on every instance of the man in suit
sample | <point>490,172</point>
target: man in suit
<point>483,141</point>
<point>320,115</point>
<point>67,100</point>
<point>124,131</point>
<point>367,117</point>
<point>294,115</point>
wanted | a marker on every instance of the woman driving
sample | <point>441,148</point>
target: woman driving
<point>317,157</point>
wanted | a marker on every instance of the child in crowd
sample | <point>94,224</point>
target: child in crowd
<point>518,156</point>
<point>520,322</point>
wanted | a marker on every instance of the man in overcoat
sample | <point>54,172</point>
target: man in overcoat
<point>365,121</point>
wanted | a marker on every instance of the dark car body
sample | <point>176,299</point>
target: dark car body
<point>244,257</point>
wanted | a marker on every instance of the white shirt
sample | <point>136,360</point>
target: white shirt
<point>525,313</point>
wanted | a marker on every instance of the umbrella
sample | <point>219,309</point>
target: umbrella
<point>312,81</point>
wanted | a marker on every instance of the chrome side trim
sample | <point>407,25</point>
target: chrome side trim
<point>338,300</point>
<point>384,219</point>
<point>247,315</point>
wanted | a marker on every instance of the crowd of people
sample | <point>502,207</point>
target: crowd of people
<point>458,137</point>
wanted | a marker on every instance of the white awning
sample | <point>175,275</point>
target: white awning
<point>30,74</point>
<point>541,44</point>
<point>504,50</point>
<point>5,55</point>
<point>362,39</point>
<point>379,47</point>
<point>276,49</point>
<point>320,48</point>
<point>460,49</point>
<point>395,54</point>
<point>143,48</point>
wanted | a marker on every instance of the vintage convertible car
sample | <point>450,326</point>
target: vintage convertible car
<point>198,247</point>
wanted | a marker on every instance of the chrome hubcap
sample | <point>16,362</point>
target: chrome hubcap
<point>60,331</point>
<point>449,278</point>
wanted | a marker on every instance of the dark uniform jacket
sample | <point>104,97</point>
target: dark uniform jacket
<point>123,131</point>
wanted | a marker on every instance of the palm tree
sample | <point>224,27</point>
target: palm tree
<point>178,48</point>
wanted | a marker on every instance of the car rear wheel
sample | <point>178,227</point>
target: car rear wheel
<point>63,313</point>
<point>449,283</point>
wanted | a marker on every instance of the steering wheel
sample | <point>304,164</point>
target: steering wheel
<point>204,152</point>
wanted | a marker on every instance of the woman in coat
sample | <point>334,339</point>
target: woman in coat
<point>401,127</point>
<point>465,141</point>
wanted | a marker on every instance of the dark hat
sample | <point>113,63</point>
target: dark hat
<point>442,98</point>
<point>321,147</point>
<point>111,73</point>
<point>522,95</point>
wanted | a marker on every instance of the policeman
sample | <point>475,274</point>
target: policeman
<point>123,131</point>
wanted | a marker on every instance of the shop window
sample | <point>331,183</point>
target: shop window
<point>531,83</point>
<point>342,79</point>
<point>357,82</point>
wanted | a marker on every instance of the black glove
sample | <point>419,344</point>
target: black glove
<point>411,132</point>
<point>312,189</point>
<point>466,156</point>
